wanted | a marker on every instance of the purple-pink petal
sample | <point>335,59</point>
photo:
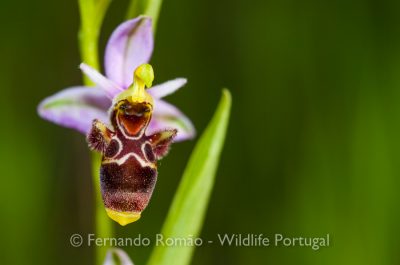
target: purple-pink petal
<point>110,88</point>
<point>129,46</point>
<point>76,107</point>
<point>167,116</point>
<point>167,88</point>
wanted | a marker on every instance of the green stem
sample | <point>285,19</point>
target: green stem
<point>88,35</point>
<point>92,13</point>
<point>104,228</point>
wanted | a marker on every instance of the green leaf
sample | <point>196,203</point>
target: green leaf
<point>187,212</point>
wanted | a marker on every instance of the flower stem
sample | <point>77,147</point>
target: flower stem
<point>92,13</point>
<point>104,227</point>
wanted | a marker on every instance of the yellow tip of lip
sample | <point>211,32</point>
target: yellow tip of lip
<point>123,218</point>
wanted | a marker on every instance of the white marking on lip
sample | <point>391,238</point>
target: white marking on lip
<point>123,159</point>
<point>143,151</point>
<point>119,146</point>
<point>122,129</point>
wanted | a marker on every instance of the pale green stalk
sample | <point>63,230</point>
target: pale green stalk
<point>92,14</point>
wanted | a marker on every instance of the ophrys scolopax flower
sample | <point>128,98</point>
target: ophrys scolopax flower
<point>131,127</point>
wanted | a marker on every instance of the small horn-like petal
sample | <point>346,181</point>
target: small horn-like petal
<point>167,88</point>
<point>110,88</point>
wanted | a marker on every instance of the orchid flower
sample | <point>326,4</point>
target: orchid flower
<point>122,257</point>
<point>129,46</point>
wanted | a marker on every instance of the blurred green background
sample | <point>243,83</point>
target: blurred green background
<point>312,148</point>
